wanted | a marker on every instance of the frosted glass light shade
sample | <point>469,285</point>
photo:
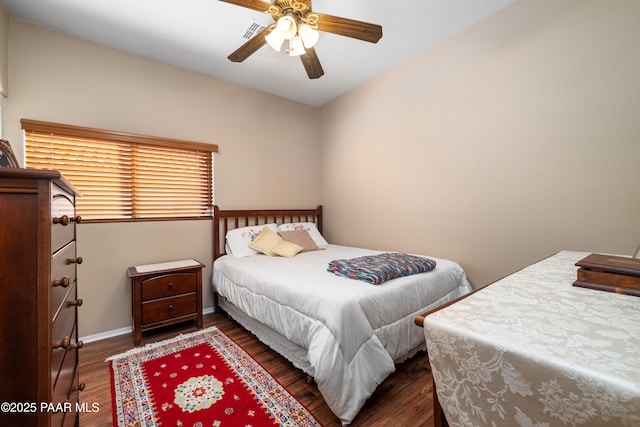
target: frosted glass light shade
<point>296,47</point>
<point>287,26</point>
<point>275,39</point>
<point>309,35</point>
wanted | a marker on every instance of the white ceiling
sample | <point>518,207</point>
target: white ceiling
<point>198,35</point>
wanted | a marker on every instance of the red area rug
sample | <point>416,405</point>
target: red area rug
<point>202,379</point>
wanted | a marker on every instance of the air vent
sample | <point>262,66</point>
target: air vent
<point>251,30</point>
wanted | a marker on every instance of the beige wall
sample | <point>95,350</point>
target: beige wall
<point>513,140</point>
<point>62,79</point>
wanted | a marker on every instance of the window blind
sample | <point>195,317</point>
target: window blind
<point>125,176</point>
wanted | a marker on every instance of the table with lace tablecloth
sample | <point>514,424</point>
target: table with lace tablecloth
<point>533,350</point>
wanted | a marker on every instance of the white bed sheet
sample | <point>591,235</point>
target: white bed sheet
<point>353,331</point>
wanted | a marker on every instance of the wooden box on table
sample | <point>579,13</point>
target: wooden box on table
<point>609,273</point>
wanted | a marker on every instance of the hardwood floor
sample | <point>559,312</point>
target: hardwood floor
<point>404,398</point>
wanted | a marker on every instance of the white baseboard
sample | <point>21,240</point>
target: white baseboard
<point>107,334</point>
<point>121,331</point>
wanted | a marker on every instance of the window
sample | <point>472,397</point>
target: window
<point>124,177</point>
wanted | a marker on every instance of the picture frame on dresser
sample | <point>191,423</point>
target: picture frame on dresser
<point>7,157</point>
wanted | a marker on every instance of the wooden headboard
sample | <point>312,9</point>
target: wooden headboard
<point>225,220</point>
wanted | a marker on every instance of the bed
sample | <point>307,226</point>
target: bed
<point>347,334</point>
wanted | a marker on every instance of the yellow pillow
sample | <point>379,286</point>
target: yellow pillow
<point>266,241</point>
<point>287,249</point>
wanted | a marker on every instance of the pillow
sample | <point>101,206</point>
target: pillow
<point>238,239</point>
<point>287,249</point>
<point>266,242</point>
<point>309,226</point>
<point>301,238</point>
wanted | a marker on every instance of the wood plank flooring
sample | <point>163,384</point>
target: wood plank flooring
<point>403,399</point>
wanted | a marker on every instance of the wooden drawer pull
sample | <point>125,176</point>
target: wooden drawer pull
<point>79,344</point>
<point>80,387</point>
<point>65,220</point>
<point>74,260</point>
<point>63,343</point>
<point>64,282</point>
<point>171,307</point>
<point>77,303</point>
<point>170,286</point>
<point>66,344</point>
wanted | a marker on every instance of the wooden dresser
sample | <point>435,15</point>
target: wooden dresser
<point>39,384</point>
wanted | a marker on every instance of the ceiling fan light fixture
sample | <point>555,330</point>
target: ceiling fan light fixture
<point>308,34</point>
<point>295,22</point>
<point>296,46</point>
<point>287,26</point>
<point>275,39</point>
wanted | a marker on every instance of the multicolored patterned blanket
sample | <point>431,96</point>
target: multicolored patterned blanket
<point>377,269</point>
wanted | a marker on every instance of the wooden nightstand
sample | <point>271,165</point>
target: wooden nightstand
<point>164,294</point>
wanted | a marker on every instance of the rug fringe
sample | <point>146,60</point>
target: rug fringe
<point>153,345</point>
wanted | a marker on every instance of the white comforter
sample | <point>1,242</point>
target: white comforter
<point>353,331</point>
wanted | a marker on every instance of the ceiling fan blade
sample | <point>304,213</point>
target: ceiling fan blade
<point>247,49</point>
<point>258,5</point>
<point>312,64</point>
<point>349,28</point>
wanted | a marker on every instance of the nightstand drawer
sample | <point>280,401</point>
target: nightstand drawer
<point>168,285</point>
<point>168,308</point>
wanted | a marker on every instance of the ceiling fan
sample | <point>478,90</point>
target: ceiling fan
<point>296,27</point>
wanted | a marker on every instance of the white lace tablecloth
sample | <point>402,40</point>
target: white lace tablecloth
<point>533,350</point>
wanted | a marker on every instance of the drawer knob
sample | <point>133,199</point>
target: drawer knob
<point>80,387</point>
<point>63,343</point>
<point>171,307</point>
<point>65,220</point>
<point>170,285</point>
<point>77,303</point>
<point>77,260</point>
<point>79,344</point>
<point>64,282</point>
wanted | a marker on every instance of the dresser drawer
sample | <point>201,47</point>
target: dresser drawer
<point>71,417</point>
<point>63,273</point>
<point>62,234</point>
<point>168,308</point>
<point>62,386</point>
<point>62,389</point>
<point>168,285</point>
<point>65,317</point>
<point>63,336</point>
